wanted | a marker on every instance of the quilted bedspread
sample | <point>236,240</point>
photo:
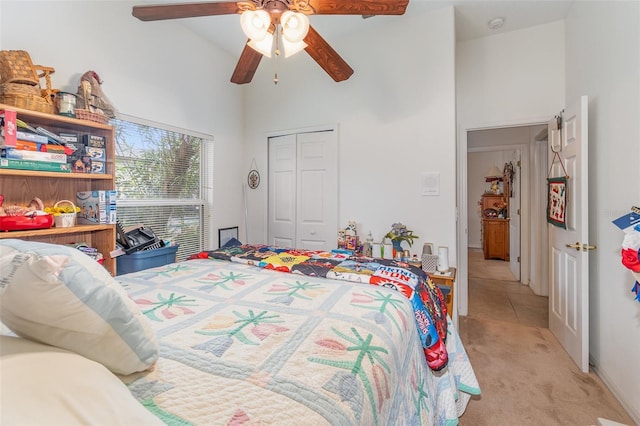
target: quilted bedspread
<point>241,345</point>
<point>429,307</point>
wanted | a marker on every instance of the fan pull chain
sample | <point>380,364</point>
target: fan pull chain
<point>277,52</point>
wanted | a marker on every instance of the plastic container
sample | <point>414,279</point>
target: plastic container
<point>146,259</point>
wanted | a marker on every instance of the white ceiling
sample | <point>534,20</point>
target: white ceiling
<point>472,17</point>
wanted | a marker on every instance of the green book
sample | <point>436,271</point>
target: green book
<point>41,166</point>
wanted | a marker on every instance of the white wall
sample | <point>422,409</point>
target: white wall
<point>152,70</point>
<point>603,62</point>
<point>511,77</point>
<point>396,118</point>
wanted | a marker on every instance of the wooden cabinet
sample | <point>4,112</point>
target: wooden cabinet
<point>495,238</point>
<point>495,225</point>
<point>21,186</point>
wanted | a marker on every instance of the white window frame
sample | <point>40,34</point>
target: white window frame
<point>205,202</point>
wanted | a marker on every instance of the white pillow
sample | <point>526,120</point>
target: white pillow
<point>43,385</point>
<point>58,295</point>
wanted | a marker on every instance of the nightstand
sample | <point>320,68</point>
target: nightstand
<point>446,283</point>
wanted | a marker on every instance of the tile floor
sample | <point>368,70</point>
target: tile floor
<point>494,294</point>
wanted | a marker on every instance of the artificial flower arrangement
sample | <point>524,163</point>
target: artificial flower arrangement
<point>399,233</point>
<point>631,257</point>
<point>57,210</point>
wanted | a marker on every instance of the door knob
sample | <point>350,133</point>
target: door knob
<point>576,246</point>
<point>587,247</point>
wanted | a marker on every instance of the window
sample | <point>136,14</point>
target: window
<point>161,176</point>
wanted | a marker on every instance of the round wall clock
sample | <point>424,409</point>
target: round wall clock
<point>253,179</point>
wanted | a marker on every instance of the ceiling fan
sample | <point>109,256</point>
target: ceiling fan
<point>268,16</point>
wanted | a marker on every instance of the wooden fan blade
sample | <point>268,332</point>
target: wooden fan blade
<point>361,7</point>
<point>246,66</point>
<point>157,12</point>
<point>326,57</point>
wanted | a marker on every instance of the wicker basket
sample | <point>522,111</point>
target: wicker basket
<point>25,96</point>
<point>16,67</point>
<point>65,220</point>
<point>20,82</point>
<point>84,114</point>
<point>33,103</point>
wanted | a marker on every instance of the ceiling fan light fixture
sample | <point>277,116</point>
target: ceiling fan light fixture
<point>291,48</point>
<point>255,23</point>
<point>264,46</point>
<point>295,26</point>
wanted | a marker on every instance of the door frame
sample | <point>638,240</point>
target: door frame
<point>462,276</point>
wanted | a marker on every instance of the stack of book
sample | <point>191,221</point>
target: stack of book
<point>26,150</point>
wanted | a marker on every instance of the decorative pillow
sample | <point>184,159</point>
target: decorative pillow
<point>46,385</point>
<point>58,295</point>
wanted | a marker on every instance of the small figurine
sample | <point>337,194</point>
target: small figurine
<point>351,228</point>
<point>494,187</point>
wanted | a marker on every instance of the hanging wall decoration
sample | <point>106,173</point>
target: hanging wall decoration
<point>557,194</point>
<point>557,201</point>
<point>253,179</point>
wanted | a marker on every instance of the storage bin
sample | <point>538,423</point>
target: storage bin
<point>146,259</point>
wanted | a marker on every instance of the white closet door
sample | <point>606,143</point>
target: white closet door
<point>282,191</point>
<point>317,193</point>
<point>303,190</point>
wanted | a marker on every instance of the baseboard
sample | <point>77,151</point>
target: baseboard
<point>631,411</point>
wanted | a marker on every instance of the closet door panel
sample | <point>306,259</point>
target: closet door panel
<point>317,195</point>
<point>282,191</point>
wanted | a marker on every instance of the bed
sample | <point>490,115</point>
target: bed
<point>245,336</point>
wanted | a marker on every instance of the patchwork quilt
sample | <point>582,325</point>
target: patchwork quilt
<point>241,345</point>
<point>429,307</point>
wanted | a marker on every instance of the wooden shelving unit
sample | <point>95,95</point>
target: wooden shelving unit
<point>21,186</point>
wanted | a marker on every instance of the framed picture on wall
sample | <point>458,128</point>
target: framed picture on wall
<point>227,234</point>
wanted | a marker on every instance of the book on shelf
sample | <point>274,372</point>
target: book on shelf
<point>23,154</point>
<point>41,166</point>
<point>37,146</point>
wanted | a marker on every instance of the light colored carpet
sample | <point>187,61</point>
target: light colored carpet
<point>525,375</point>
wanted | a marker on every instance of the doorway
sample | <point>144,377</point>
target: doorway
<point>519,142</point>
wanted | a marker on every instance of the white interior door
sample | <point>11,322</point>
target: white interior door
<point>303,190</point>
<point>282,191</point>
<point>569,253</point>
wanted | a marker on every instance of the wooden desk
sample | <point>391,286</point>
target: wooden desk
<point>446,281</point>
